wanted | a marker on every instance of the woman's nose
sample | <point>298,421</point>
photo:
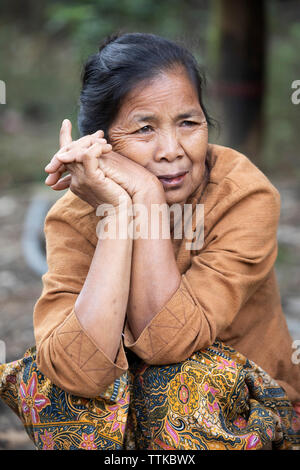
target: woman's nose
<point>168,147</point>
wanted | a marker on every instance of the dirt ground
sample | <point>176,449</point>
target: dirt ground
<point>20,287</point>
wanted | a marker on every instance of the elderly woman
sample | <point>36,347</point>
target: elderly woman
<point>147,342</point>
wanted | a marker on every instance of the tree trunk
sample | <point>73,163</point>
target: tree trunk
<point>241,67</point>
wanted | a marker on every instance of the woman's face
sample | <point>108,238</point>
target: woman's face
<point>162,127</point>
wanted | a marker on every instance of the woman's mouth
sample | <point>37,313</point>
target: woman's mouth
<point>172,180</point>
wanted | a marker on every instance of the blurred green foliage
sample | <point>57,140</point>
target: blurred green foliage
<point>88,21</point>
<point>281,150</point>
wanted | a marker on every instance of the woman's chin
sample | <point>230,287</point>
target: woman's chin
<point>175,197</point>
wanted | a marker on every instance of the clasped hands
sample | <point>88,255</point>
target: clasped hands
<point>97,174</point>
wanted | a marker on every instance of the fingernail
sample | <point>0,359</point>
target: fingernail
<point>47,179</point>
<point>64,122</point>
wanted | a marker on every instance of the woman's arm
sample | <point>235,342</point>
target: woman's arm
<point>79,318</point>
<point>112,259</point>
<point>81,355</point>
<point>155,276</point>
<point>238,254</point>
<point>102,302</point>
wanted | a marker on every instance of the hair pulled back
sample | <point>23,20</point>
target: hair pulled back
<point>122,62</point>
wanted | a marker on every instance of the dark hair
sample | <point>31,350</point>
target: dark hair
<point>122,62</point>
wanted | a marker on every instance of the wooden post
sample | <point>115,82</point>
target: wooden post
<point>241,66</point>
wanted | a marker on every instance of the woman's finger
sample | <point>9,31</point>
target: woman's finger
<point>90,163</point>
<point>63,183</point>
<point>65,157</point>
<point>91,155</point>
<point>76,155</point>
<point>106,148</point>
<point>52,178</point>
<point>65,135</point>
<point>85,141</point>
<point>73,152</point>
<point>89,139</point>
<point>57,183</point>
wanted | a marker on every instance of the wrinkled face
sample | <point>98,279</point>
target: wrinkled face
<point>162,127</point>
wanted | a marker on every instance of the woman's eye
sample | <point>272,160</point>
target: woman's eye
<point>144,130</point>
<point>189,123</point>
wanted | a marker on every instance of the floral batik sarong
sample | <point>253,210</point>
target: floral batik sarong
<point>216,399</point>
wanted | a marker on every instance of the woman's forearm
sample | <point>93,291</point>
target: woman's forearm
<point>154,273</point>
<point>102,302</point>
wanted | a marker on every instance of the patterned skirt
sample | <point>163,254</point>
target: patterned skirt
<point>216,399</point>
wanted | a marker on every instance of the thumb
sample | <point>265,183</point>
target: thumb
<point>65,135</point>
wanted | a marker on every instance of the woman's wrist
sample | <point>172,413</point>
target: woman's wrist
<point>153,192</point>
<point>115,221</point>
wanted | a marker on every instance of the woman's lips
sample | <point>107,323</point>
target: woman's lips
<point>172,180</point>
